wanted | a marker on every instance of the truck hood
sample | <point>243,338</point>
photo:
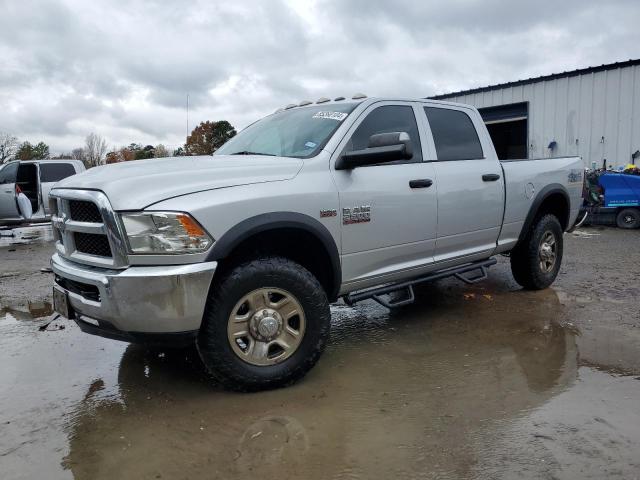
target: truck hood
<point>137,184</point>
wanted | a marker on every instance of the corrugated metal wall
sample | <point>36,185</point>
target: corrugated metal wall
<point>594,115</point>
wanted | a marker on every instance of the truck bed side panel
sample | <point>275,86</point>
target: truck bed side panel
<point>524,179</point>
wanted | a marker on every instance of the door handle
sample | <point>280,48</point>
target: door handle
<point>490,177</point>
<point>421,183</point>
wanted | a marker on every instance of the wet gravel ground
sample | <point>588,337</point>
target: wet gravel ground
<point>471,382</point>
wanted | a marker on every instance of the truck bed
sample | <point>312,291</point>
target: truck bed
<point>526,178</point>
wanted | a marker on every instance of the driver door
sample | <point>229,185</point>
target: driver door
<point>8,204</point>
<point>389,210</point>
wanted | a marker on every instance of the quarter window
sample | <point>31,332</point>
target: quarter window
<point>387,119</point>
<point>54,172</point>
<point>454,135</point>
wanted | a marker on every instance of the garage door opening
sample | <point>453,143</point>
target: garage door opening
<point>509,138</point>
<point>508,126</point>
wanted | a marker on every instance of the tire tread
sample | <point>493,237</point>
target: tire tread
<point>524,258</point>
<point>221,362</point>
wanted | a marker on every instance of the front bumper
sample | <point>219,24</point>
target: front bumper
<point>137,302</point>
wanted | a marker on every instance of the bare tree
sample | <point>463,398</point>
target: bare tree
<point>8,147</point>
<point>79,154</point>
<point>95,149</point>
<point>160,151</point>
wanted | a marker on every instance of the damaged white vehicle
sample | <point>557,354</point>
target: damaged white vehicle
<point>25,187</point>
<point>242,252</point>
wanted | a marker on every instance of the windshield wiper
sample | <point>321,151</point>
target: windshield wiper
<point>246,152</point>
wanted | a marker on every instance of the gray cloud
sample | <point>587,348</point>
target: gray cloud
<point>124,69</point>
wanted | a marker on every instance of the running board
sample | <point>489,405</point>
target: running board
<point>457,272</point>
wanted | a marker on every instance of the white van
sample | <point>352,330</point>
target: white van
<point>34,178</point>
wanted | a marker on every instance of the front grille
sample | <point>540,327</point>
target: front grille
<point>83,211</point>
<point>92,244</point>
<point>86,229</point>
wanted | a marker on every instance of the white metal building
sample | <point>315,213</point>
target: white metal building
<point>592,112</point>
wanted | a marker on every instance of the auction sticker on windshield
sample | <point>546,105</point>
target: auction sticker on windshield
<point>339,116</point>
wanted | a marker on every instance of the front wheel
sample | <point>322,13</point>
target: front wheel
<point>535,263</point>
<point>628,218</point>
<point>265,325</point>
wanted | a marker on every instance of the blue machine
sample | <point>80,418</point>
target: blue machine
<point>613,199</point>
<point>620,189</point>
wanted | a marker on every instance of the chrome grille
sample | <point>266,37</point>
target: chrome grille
<point>83,211</point>
<point>86,229</point>
<point>93,244</point>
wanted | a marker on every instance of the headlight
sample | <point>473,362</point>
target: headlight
<point>169,233</point>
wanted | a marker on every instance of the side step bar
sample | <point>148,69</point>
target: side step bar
<point>377,293</point>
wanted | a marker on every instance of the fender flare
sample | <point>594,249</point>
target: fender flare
<point>274,221</point>
<point>546,192</point>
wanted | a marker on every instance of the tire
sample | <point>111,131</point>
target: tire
<point>628,218</point>
<point>531,263</point>
<point>235,353</point>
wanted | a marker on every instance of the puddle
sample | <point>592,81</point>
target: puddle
<point>588,431</point>
<point>426,391</point>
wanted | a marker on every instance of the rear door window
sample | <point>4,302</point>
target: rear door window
<point>454,135</point>
<point>8,173</point>
<point>54,172</point>
<point>388,119</point>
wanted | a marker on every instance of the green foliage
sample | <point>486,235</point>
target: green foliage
<point>144,152</point>
<point>26,151</point>
<point>207,137</point>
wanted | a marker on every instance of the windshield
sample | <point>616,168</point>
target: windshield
<point>299,132</point>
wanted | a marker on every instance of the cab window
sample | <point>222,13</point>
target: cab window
<point>54,172</point>
<point>454,135</point>
<point>387,119</point>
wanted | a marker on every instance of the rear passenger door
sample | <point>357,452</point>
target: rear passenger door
<point>50,174</point>
<point>470,186</point>
<point>388,225</point>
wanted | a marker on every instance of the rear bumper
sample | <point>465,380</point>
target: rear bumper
<point>138,303</point>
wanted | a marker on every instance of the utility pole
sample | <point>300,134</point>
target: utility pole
<point>186,138</point>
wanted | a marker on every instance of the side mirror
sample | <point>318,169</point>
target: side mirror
<point>383,147</point>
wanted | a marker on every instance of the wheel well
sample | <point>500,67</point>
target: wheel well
<point>555,204</point>
<point>296,244</point>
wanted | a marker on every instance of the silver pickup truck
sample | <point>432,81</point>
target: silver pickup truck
<point>242,252</point>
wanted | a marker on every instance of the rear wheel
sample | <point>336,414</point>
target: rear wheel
<point>628,218</point>
<point>536,261</point>
<point>265,326</point>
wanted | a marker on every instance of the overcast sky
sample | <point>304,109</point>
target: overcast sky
<point>123,69</point>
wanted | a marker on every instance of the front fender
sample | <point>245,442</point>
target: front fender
<point>273,221</point>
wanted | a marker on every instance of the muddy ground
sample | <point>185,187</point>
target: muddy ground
<point>472,382</point>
